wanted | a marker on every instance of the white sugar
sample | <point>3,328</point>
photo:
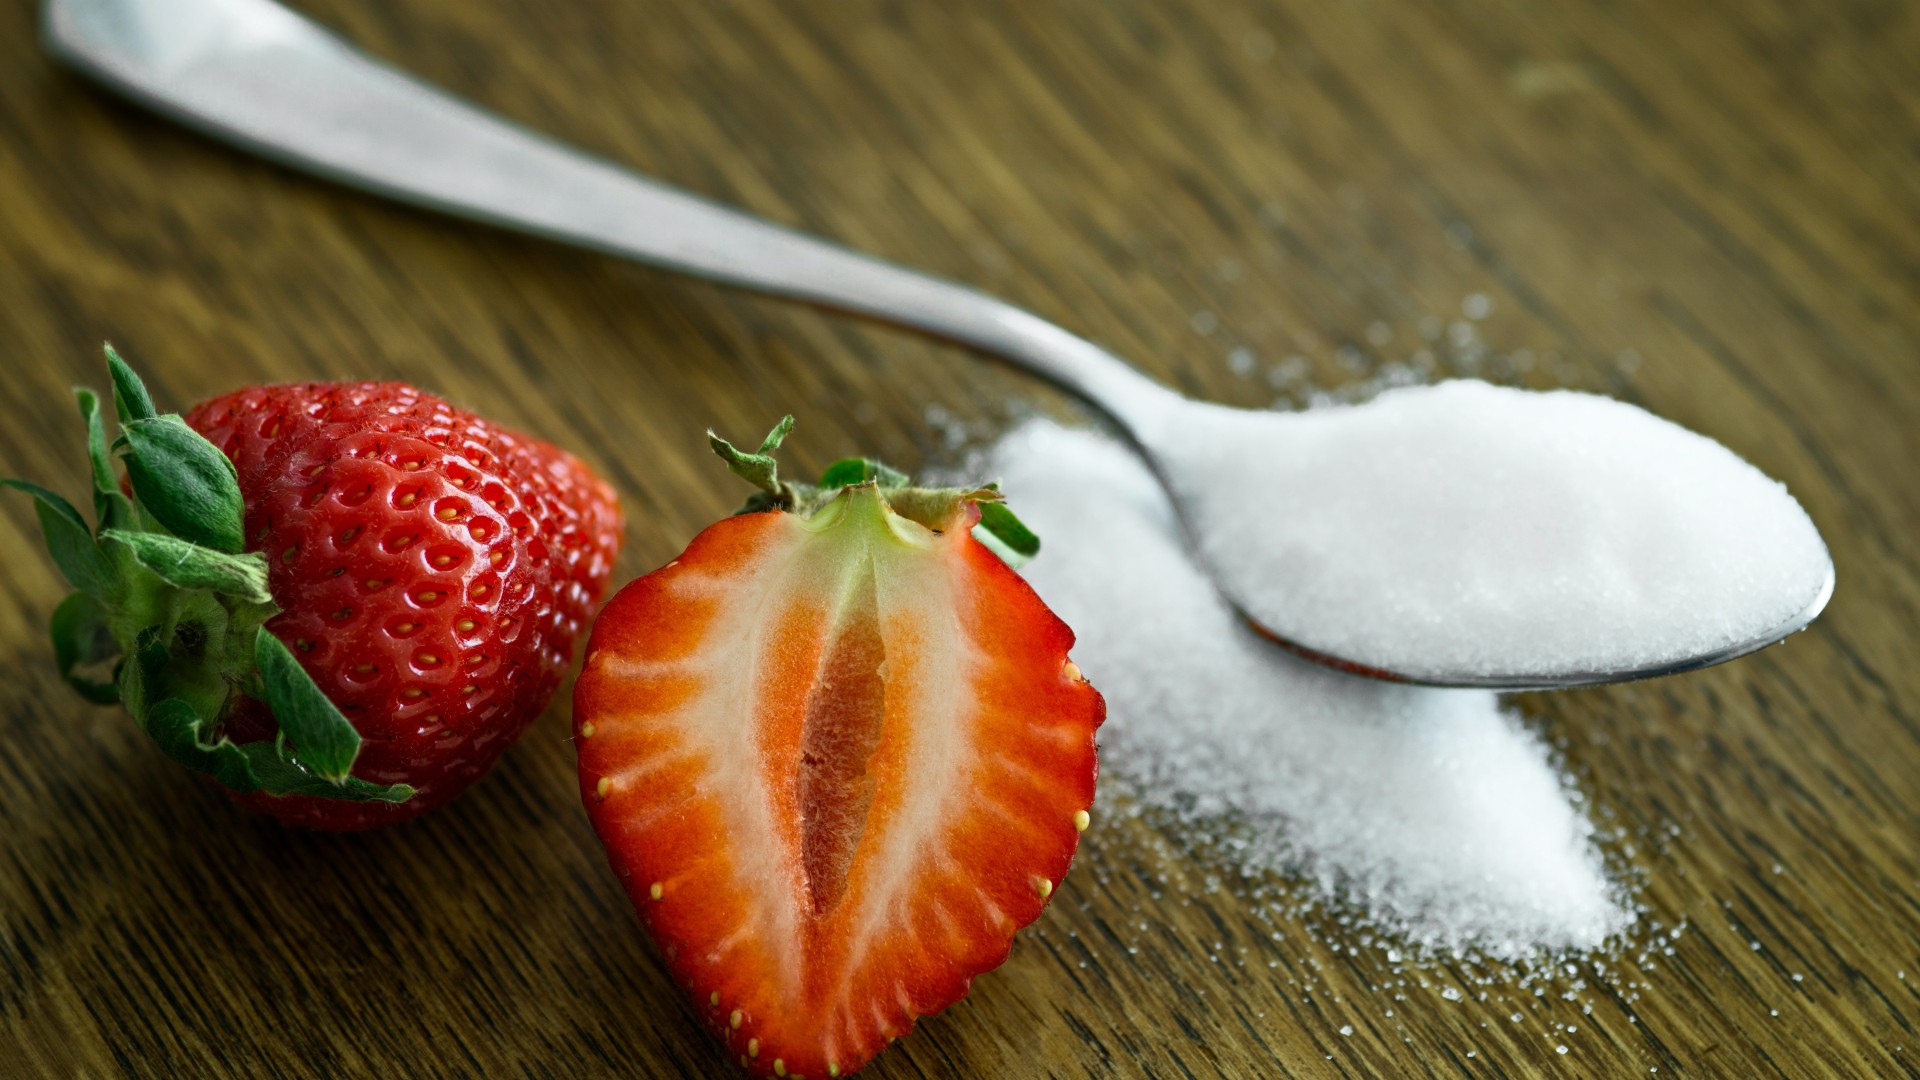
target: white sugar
<point>1433,810</point>
<point>1469,528</point>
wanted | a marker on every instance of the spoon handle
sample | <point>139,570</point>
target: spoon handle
<point>253,73</point>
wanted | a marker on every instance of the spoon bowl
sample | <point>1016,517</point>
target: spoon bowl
<point>256,74</point>
<point>1462,534</point>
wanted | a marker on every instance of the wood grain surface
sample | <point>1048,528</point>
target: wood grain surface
<point>1709,208</point>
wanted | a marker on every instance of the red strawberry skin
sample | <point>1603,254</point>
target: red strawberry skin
<point>433,570</point>
<point>837,763</point>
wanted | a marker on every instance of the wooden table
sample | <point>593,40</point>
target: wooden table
<point>1711,209</point>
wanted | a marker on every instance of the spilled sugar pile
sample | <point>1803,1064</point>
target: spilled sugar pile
<point>1478,529</point>
<point>1432,810</point>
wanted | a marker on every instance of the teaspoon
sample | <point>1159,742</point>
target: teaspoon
<point>256,74</point>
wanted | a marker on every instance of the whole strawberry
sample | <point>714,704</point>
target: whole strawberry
<point>420,573</point>
<point>838,754</point>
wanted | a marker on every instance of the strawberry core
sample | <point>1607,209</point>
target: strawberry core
<point>845,710</point>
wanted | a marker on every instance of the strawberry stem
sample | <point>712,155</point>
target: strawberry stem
<point>760,469</point>
<point>130,398</point>
<point>934,507</point>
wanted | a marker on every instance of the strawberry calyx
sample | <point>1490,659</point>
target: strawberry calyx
<point>168,613</point>
<point>936,508</point>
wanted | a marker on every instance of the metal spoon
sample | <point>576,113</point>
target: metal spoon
<point>256,74</point>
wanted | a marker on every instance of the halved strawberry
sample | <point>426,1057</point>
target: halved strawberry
<point>838,754</point>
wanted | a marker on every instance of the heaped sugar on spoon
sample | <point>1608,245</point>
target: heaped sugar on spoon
<point>1464,533</point>
<point>1452,535</point>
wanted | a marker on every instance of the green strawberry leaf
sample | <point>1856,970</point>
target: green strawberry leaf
<point>282,775</point>
<point>758,469</point>
<point>179,730</point>
<point>855,470</point>
<point>777,436</point>
<point>69,540</point>
<point>323,740</point>
<point>82,640</point>
<point>255,766</point>
<point>130,398</point>
<point>111,509</point>
<point>185,482</point>
<point>1006,535</point>
<point>190,566</point>
<point>1008,529</point>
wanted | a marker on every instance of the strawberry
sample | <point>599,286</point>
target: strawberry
<point>342,601</point>
<point>838,755</point>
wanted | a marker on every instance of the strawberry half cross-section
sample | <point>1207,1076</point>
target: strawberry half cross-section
<point>838,754</point>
